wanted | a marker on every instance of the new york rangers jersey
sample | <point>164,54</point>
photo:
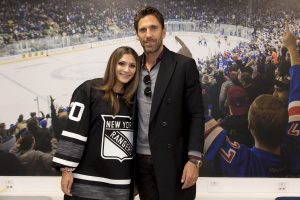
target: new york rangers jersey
<point>98,144</point>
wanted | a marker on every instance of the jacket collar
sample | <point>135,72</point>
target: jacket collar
<point>166,70</point>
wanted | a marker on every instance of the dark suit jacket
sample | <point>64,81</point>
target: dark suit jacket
<point>176,123</point>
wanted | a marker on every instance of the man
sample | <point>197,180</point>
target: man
<point>236,122</point>
<point>282,83</point>
<point>169,116</point>
<point>10,165</point>
<point>293,133</point>
<point>233,80</point>
<point>58,120</point>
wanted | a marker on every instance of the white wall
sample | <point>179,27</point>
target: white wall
<point>39,188</point>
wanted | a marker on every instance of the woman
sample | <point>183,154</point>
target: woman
<point>96,147</point>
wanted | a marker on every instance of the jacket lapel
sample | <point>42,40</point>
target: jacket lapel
<point>167,67</point>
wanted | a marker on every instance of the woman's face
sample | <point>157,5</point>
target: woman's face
<point>125,69</point>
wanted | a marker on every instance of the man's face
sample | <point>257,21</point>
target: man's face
<point>282,94</point>
<point>150,34</point>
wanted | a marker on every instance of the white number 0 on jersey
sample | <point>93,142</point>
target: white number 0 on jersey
<point>74,106</point>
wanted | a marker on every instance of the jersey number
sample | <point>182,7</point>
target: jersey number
<point>293,130</point>
<point>229,155</point>
<point>74,107</point>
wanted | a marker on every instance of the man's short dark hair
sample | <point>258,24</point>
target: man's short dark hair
<point>148,11</point>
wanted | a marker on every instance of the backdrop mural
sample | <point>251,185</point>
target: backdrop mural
<point>48,48</point>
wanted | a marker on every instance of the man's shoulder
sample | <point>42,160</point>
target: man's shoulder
<point>182,62</point>
<point>177,56</point>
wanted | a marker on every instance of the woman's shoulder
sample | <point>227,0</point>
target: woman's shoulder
<point>96,82</point>
<point>90,84</point>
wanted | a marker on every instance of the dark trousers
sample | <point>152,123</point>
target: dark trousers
<point>145,178</point>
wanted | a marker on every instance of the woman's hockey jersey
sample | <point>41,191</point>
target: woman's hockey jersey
<point>98,144</point>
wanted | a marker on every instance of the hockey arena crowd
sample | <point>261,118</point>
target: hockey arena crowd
<point>231,80</point>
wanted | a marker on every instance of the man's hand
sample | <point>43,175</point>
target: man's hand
<point>51,99</point>
<point>66,182</point>
<point>289,40</point>
<point>190,175</point>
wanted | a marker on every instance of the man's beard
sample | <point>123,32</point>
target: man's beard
<point>154,48</point>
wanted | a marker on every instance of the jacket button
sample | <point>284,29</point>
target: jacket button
<point>164,124</point>
<point>169,146</point>
<point>169,100</point>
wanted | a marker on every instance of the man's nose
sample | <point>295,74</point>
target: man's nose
<point>148,32</point>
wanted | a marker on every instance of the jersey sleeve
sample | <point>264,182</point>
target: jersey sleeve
<point>75,134</point>
<point>293,136</point>
<point>229,158</point>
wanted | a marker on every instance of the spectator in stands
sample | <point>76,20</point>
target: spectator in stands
<point>41,22</point>
<point>21,124</point>
<point>8,142</point>
<point>232,80</point>
<point>236,123</point>
<point>265,79</point>
<point>248,84</point>
<point>282,82</point>
<point>214,91</point>
<point>41,136</point>
<point>293,136</point>
<point>10,165</point>
<point>43,124</point>
<point>35,162</point>
<point>48,120</point>
<point>206,94</point>
<point>3,131</point>
<point>274,56</point>
<point>58,120</point>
